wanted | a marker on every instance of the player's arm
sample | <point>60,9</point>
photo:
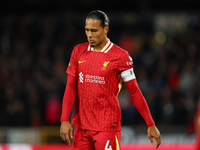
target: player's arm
<point>68,102</point>
<point>140,103</point>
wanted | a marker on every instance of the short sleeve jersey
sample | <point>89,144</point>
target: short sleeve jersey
<point>98,84</point>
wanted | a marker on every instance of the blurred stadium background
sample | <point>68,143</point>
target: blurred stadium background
<point>37,38</point>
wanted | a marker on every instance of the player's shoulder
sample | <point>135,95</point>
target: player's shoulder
<point>119,51</point>
<point>81,47</point>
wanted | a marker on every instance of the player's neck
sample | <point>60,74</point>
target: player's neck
<point>99,47</point>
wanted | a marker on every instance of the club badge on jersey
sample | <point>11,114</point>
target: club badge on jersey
<point>105,64</point>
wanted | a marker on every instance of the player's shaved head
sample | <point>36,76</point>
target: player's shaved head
<point>99,15</point>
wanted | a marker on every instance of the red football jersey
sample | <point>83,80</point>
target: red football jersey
<point>98,74</point>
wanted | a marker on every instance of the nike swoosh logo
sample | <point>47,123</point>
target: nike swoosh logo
<point>81,61</point>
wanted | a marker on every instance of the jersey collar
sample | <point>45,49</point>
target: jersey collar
<point>105,49</point>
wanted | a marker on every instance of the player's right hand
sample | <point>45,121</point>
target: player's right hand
<point>66,130</point>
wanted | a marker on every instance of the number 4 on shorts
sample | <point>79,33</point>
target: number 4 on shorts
<point>107,144</point>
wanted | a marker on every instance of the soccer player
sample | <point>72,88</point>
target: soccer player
<point>95,75</point>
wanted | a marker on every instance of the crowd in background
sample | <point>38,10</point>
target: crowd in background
<point>35,50</point>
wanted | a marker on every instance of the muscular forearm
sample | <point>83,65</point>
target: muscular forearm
<point>68,98</point>
<point>139,101</point>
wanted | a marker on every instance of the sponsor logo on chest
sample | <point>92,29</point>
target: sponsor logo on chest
<point>91,78</point>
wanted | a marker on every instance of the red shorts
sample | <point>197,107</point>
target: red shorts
<point>96,140</point>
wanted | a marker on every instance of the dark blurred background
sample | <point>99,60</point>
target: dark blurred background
<point>106,5</point>
<point>38,36</point>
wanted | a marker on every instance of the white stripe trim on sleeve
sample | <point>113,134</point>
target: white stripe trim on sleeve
<point>128,75</point>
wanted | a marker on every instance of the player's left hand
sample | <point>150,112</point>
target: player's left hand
<point>153,132</point>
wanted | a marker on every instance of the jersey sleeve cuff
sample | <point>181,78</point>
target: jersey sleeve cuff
<point>151,124</point>
<point>64,119</point>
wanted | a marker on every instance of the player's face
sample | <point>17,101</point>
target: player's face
<point>95,33</point>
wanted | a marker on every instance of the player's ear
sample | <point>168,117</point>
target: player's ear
<point>106,28</point>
